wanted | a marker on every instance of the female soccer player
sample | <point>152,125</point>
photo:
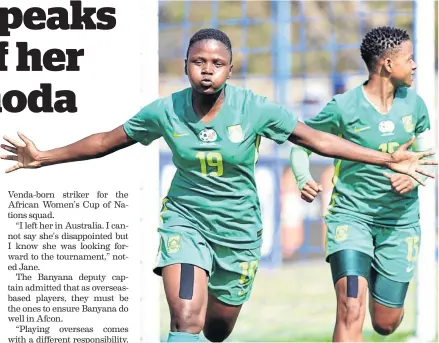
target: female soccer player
<point>211,230</point>
<point>373,232</point>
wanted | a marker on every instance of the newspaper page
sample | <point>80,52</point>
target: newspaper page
<point>78,239</point>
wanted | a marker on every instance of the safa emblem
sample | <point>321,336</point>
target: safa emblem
<point>235,133</point>
<point>341,233</point>
<point>407,121</point>
<point>173,244</point>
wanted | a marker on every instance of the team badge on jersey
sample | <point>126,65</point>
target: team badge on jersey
<point>173,244</point>
<point>407,121</point>
<point>208,135</point>
<point>341,233</point>
<point>386,127</point>
<point>235,133</point>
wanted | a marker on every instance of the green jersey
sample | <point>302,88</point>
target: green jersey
<point>214,189</point>
<point>362,190</point>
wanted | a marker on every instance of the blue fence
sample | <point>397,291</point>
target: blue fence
<point>298,53</point>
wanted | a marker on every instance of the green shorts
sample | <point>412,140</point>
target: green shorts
<point>394,251</point>
<point>231,271</point>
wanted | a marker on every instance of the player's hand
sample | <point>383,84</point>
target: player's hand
<point>400,183</point>
<point>310,191</point>
<point>407,162</point>
<point>24,152</point>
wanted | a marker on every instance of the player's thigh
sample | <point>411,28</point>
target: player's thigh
<point>349,247</point>
<point>351,293</point>
<point>386,304</point>
<point>388,293</point>
<point>185,262</point>
<point>186,292</point>
<point>233,273</point>
<point>230,285</point>
<point>395,261</point>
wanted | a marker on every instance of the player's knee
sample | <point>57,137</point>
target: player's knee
<point>384,327</point>
<point>217,330</point>
<point>349,310</point>
<point>187,319</point>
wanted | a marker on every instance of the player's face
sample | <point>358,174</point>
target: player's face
<point>208,66</point>
<point>403,65</point>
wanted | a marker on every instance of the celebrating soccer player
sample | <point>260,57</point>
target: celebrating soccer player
<point>373,233</point>
<point>212,228</point>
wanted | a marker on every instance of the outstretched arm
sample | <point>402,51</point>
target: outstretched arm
<point>94,146</point>
<point>330,145</point>
<point>401,161</point>
<point>97,145</point>
<point>144,127</point>
<point>278,124</point>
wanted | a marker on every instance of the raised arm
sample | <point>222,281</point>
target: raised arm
<point>330,145</point>
<point>97,145</point>
<point>94,146</point>
<point>325,144</point>
<point>144,127</point>
<point>279,124</point>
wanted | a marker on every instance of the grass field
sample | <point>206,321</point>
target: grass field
<point>296,303</point>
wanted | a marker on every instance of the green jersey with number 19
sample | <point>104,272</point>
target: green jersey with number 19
<point>214,189</point>
<point>362,190</point>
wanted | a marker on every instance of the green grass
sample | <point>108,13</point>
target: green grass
<point>296,303</point>
<point>367,337</point>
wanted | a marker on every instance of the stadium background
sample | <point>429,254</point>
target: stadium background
<point>300,54</point>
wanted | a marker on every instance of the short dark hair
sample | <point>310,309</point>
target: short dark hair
<point>214,34</point>
<point>380,41</point>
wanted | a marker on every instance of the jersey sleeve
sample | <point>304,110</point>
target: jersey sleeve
<point>423,122</point>
<point>328,120</point>
<point>272,120</point>
<point>146,126</point>
<point>424,139</point>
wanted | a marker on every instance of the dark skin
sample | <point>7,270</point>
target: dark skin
<point>208,67</point>
<point>394,70</point>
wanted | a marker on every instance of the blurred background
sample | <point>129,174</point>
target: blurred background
<point>300,54</point>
